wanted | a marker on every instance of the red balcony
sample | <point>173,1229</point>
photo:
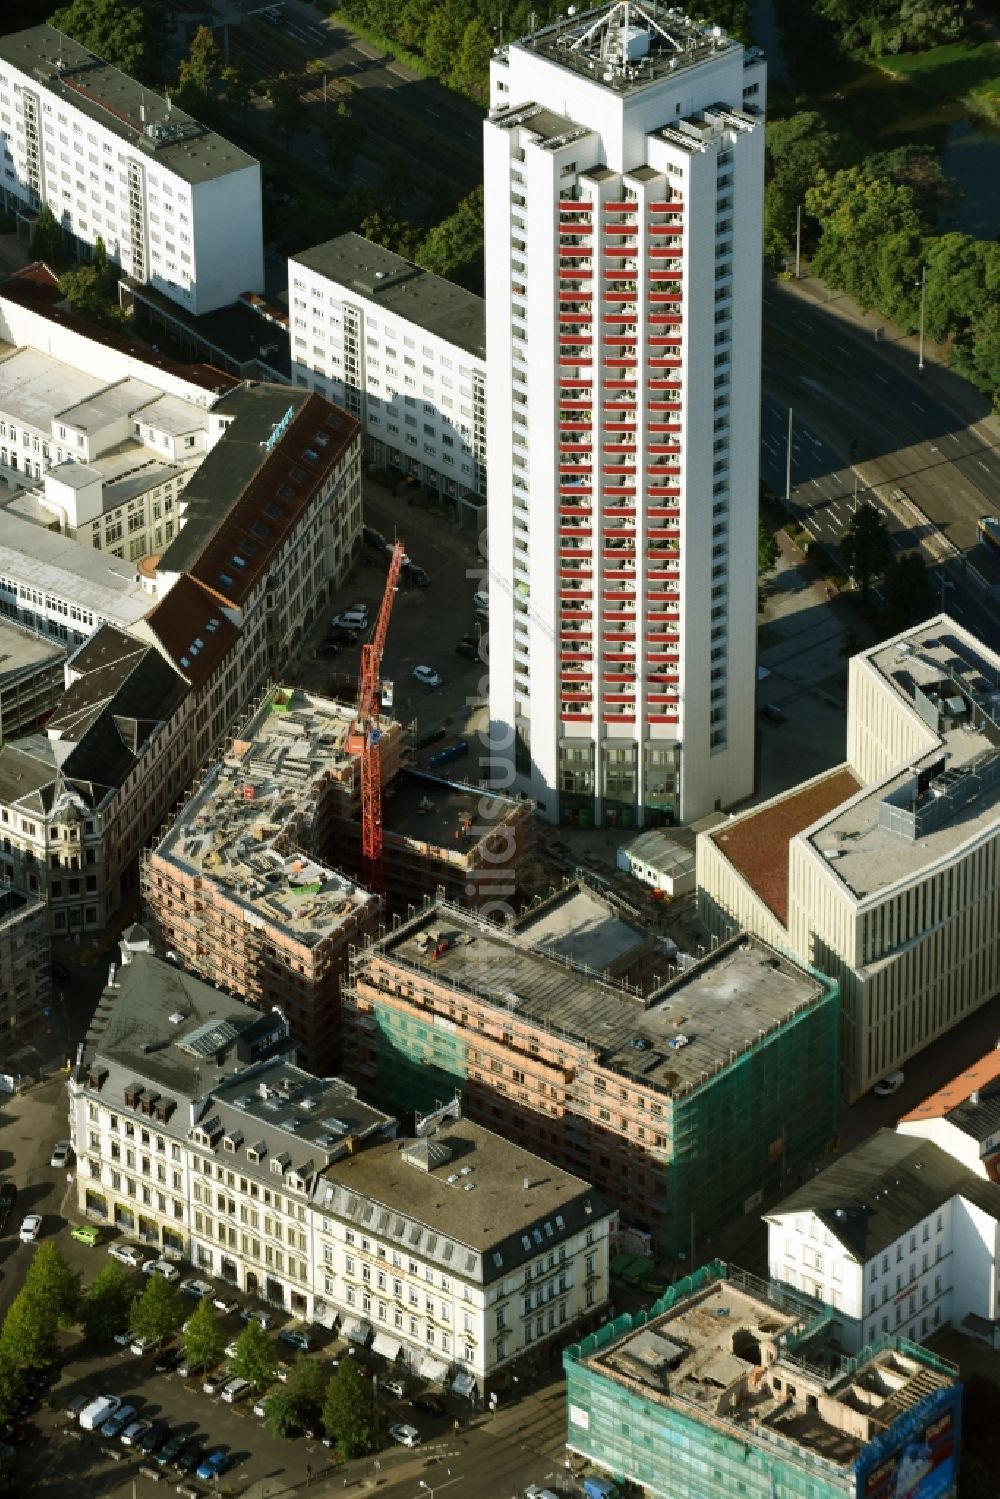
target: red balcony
<point>666,207</point>
<point>572,695</point>
<point>662,363</point>
<point>620,384</point>
<point>665,384</point>
<point>622,296</point>
<point>665,319</point>
<point>663,512</point>
<point>665,229</point>
<point>574,226</point>
<point>575,205</point>
<point>662,252</point>
<point>575,468</point>
<point>654,718</point>
<point>620,275</point>
<point>629,205</point>
<point>664,341</point>
<point>574,361</point>
<point>620,229</point>
<point>574,426</point>
<point>577,717</point>
<point>619,427</point>
<point>571,404</point>
<point>575,273</point>
<point>609,717</point>
<point>665,296</point>
<point>576,634</point>
<point>621,341</point>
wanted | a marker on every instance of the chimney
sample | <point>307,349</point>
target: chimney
<point>527,1183</point>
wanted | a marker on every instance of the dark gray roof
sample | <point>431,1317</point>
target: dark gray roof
<point>487,1208</point>
<point>134,1036</point>
<point>877,1192</point>
<point>168,138</point>
<point>32,778</point>
<point>122,679</point>
<point>444,309</point>
<point>978,1116</point>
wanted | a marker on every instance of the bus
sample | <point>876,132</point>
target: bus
<point>989,531</point>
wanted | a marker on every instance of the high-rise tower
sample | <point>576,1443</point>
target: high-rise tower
<point>624,178</point>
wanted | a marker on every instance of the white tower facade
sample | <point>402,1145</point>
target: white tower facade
<point>624,157</point>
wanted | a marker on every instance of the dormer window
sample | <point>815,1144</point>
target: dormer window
<point>280,1163</point>
<point>256,1152</point>
<point>233,1141</point>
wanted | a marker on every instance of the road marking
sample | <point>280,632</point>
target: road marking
<point>848,352</point>
<point>433,114</point>
<point>816,484</point>
<point>983,465</point>
<point>373,56</point>
<point>955,436</point>
<point>917,405</point>
<point>880,377</point>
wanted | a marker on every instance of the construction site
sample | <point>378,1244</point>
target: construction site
<point>259,882</point>
<point>729,1385</point>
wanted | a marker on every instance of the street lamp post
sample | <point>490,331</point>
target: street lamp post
<point>923,305</point>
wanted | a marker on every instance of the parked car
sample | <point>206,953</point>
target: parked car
<point>420,577</point>
<point>197,1288</point>
<point>153,1438</point>
<point>73,1407</point>
<point>260,1407</point>
<point>116,1421</point>
<point>888,1085</point>
<point>373,538</point>
<point>168,1360</point>
<point>161,1267</point>
<point>235,1390</point>
<point>295,1338</point>
<point>126,1254</point>
<point>8,1197</point>
<point>254,1315</point>
<point>427,675</point>
<point>171,1450</point>
<point>31,1228</point>
<point>60,1153</point>
<point>123,1339</point>
<point>86,1233</point>
<point>189,1458</point>
<point>134,1433</point>
<point>428,1405</point>
<point>215,1463</point>
<point>481,602</point>
<point>225,1304</point>
<point>213,1383</point>
<point>407,1436</point>
<point>352,619</point>
<point>140,1346</point>
<point>392,1385</point>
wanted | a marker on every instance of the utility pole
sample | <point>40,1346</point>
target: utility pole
<point>798,242</point>
<point>923,305</point>
<point>324,101</point>
<point>788,462</point>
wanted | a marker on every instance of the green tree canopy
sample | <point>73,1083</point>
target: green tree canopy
<point>200,71</point>
<point>307,1383</point>
<point>344,137</point>
<point>767,548</point>
<point>28,1336</point>
<point>349,1410</point>
<point>104,1310</point>
<point>865,546</point>
<point>204,1339</point>
<point>255,1359</point>
<point>48,242</point>
<point>855,213</point>
<point>878,26</point>
<point>241,84</point>
<point>158,1312</point>
<point>287,110</point>
<point>131,36</point>
<point>11,1384</point>
<point>454,248</point>
<point>53,1282</point>
<point>281,1414</point>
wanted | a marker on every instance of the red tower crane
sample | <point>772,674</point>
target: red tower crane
<point>369,703</point>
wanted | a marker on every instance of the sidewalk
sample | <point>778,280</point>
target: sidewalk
<point>968,402</point>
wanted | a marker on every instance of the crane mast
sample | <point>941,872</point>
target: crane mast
<point>369,703</point>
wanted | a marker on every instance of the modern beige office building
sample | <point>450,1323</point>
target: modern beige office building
<point>885,872</point>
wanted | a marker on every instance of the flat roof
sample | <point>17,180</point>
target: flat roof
<point>469,1185</point>
<point>36,388</point>
<point>401,288</point>
<point>756,843</point>
<point>106,585</point>
<point>951,683</point>
<point>577,923</point>
<point>109,404</point>
<point>234,829</point>
<point>661,41</point>
<point>21,653</point>
<point>425,808</point>
<point>670,1039</point>
<point>167,136</point>
<point>732,1351</point>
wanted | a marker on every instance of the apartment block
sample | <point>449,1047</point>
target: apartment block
<point>624,159</point>
<point>25,975</point>
<point>177,207</point>
<point>31,678</point>
<point>80,800</point>
<point>682,1099</point>
<point>884,872</point>
<point>402,350</point>
<point>452,1252</point>
<point>233,889</point>
<point>897,1236</point>
<point>728,1385</point>
<point>963,1117</point>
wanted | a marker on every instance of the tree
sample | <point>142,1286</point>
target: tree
<point>281,1416</point>
<point>856,214</point>
<point>287,113</point>
<point>767,548</point>
<point>204,1340</point>
<point>48,242</point>
<point>349,1410</point>
<point>105,1308</point>
<point>306,1386</point>
<point>799,149</point>
<point>917,168</point>
<point>344,138</point>
<point>158,1312</point>
<point>454,248</point>
<point>28,1336</point>
<point>471,69</point>
<point>11,1385</point>
<point>255,1359</point>
<point>54,1283</point>
<point>130,36</point>
<point>907,591</point>
<point>865,546</point>
<point>200,71</point>
<point>241,85</point>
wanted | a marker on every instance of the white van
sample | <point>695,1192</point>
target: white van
<point>98,1411</point>
<point>235,1390</point>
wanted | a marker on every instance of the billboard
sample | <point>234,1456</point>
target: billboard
<point>917,1458</point>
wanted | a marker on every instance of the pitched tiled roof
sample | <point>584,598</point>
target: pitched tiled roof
<point>192,629</point>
